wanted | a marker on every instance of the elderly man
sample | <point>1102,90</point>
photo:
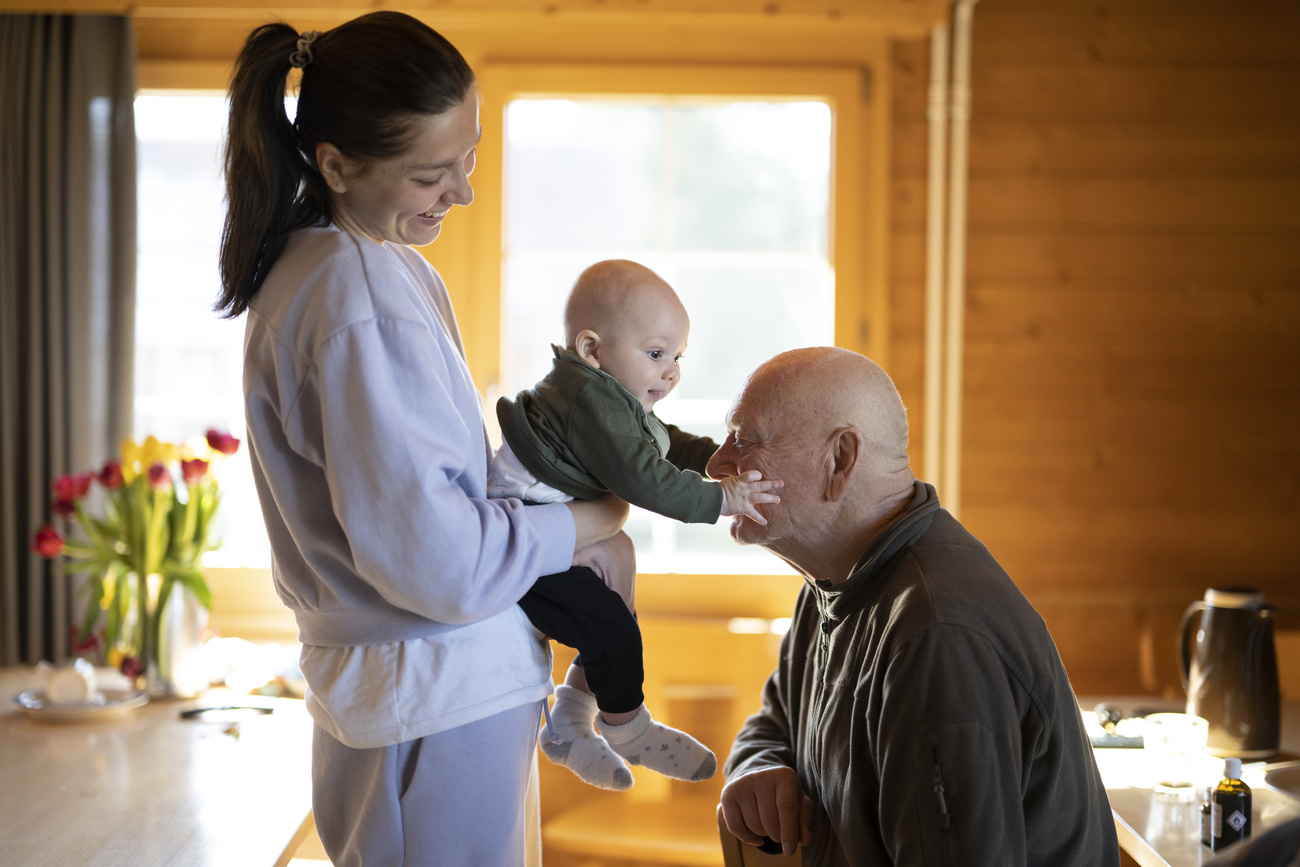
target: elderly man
<point>920,713</point>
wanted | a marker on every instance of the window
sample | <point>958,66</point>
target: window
<point>726,199</point>
<point>653,112</point>
<point>188,360</point>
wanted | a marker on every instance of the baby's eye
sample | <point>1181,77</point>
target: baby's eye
<point>677,358</point>
<point>656,354</point>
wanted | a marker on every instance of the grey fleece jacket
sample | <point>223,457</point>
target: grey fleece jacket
<point>928,715</point>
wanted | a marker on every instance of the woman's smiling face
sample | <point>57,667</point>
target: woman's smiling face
<point>404,199</point>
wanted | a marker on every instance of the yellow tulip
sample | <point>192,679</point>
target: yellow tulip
<point>110,590</point>
<point>157,452</point>
<point>130,460</point>
<point>138,458</point>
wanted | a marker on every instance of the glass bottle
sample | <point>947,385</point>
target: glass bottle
<point>1207,815</point>
<point>1231,808</point>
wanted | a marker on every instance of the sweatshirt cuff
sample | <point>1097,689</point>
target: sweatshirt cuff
<point>554,523</point>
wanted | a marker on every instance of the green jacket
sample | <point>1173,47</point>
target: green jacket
<point>580,431</point>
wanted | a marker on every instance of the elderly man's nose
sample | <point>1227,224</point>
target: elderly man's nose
<point>719,466</point>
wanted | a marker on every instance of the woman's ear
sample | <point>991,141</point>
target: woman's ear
<point>333,167</point>
<point>587,347</point>
<point>843,450</point>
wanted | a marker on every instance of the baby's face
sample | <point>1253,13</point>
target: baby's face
<point>642,351</point>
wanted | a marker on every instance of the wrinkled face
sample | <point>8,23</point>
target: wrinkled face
<point>404,199</point>
<point>643,351</point>
<point>765,433</point>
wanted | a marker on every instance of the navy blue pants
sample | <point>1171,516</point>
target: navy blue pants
<point>578,610</point>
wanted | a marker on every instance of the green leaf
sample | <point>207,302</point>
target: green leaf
<point>194,582</point>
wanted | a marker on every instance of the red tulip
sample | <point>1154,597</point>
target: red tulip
<point>73,486</point>
<point>222,442</point>
<point>111,475</point>
<point>90,642</point>
<point>132,667</point>
<point>47,542</point>
<point>159,478</point>
<point>194,471</point>
<point>64,508</point>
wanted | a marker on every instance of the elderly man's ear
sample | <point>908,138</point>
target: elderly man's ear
<point>843,451</point>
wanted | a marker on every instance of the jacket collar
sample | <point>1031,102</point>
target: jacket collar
<point>840,600</point>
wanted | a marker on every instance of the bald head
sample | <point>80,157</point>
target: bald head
<point>830,424</point>
<point>612,293</point>
<point>825,388</point>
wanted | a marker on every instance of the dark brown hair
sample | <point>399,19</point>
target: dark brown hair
<point>366,81</point>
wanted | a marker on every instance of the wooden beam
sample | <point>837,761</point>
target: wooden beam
<point>898,17</point>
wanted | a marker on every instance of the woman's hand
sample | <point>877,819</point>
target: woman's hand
<point>597,520</point>
<point>614,560</point>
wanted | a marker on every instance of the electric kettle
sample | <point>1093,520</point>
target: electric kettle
<point>1230,671</point>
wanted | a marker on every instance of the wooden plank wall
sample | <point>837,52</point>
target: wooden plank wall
<point>1132,412</point>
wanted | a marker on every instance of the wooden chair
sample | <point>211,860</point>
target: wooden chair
<point>701,677</point>
<point>738,854</point>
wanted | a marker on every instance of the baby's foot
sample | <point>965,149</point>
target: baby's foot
<point>661,748</point>
<point>580,748</point>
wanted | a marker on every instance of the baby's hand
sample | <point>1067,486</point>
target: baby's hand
<point>741,493</point>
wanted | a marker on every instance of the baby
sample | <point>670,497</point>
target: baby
<point>589,427</point>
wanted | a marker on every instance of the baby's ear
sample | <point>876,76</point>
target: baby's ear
<point>587,347</point>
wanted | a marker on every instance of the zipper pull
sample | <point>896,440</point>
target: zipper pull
<point>938,791</point>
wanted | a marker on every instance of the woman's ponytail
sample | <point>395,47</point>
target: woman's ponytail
<point>364,86</point>
<point>264,167</point>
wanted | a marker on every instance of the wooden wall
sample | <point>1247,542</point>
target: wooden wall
<point>1132,406</point>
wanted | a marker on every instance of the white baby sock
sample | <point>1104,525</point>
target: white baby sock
<point>660,748</point>
<point>581,749</point>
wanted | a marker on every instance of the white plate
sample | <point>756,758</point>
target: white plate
<point>1285,780</point>
<point>116,703</point>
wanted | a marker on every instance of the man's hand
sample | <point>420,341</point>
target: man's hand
<point>768,803</point>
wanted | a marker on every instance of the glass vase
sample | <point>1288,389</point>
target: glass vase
<point>175,666</point>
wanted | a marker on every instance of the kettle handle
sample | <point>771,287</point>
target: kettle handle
<point>1186,632</point>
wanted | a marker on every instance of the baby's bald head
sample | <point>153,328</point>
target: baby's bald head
<point>613,294</point>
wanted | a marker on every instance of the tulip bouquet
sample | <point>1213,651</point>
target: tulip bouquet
<point>158,507</point>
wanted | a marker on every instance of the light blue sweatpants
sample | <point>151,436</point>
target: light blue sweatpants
<point>465,797</point>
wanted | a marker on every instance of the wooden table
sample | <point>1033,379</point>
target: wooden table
<point>1161,833</point>
<point>150,788</point>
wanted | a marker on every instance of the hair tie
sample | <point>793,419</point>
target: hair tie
<point>300,58</point>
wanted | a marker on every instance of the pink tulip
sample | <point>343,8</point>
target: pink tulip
<point>111,475</point>
<point>47,542</point>
<point>222,442</point>
<point>194,471</point>
<point>64,508</point>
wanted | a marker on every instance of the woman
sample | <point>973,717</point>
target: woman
<point>369,453</point>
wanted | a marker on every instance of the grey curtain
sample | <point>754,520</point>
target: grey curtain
<point>67,292</point>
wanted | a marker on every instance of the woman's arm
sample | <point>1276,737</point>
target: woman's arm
<point>596,520</point>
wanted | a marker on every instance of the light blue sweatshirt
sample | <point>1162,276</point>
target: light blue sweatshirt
<point>370,458</point>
